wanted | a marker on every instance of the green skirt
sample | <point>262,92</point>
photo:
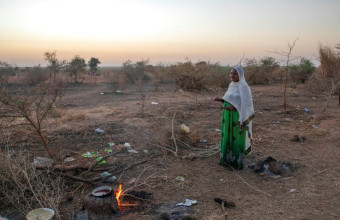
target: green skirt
<point>233,140</point>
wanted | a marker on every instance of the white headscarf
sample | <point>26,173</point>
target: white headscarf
<point>239,95</point>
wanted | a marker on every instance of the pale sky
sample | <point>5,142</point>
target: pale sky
<point>164,30</point>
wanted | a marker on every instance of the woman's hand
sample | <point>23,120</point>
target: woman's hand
<point>230,108</point>
<point>217,99</point>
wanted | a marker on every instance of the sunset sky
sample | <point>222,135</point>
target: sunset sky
<point>164,30</point>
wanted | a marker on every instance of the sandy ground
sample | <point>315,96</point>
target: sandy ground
<point>311,192</point>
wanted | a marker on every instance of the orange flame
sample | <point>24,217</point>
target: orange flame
<point>119,193</point>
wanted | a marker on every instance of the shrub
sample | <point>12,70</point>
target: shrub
<point>135,72</point>
<point>301,72</point>
<point>262,71</point>
<point>188,76</point>
<point>326,78</point>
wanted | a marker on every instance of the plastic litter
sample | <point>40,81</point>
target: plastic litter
<point>110,144</point>
<point>108,150</point>
<point>89,155</point>
<point>306,109</point>
<point>314,126</point>
<point>185,128</point>
<point>288,119</point>
<point>188,202</point>
<point>99,131</point>
<point>98,159</point>
<point>146,151</point>
<point>181,178</point>
<point>292,190</point>
<point>203,141</point>
<point>108,180</point>
<point>154,103</point>
<point>41,213</point>
<point>118,91</point>
<point>128,145</point>
<point>218,130</point>
<point>69,159</point>
<point>132,151</point>
<point>102,93</point>
<point>42,162</point>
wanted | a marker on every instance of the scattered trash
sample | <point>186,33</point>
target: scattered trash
<point>218,130</point>
<point>271,167</point>
<point>89,155</point>
<point>110,179</point>
<point>314,98</point>
<point>297,138</point>
<point>110,144</point>
<point>314,126</point>
<point>188,202</point>
<point>42,162</point>
<point>69,159</point>
<point>306,109</point>
<point>288,119</point>
<point>275,121</point>
<point>292,190</point>
<point>41,213</point>
<point>127,145</point>
<point>108,150</point>
<point>132,151</point>
<point>146,151</point>
<point>118,91</point>
<point>99,131</point>
<point>203,141</point>
<point>102,93</point>
<point>185,128</point>
<point>154,103</point>
<point>102,162</point>
<point>180,178</point>
<point>228,204</point>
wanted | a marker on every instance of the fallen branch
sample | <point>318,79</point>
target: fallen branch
<point>267,194</point>
<point>100,179</point>
<point>77,179</point>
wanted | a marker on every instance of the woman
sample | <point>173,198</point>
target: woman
<point>237,115</point>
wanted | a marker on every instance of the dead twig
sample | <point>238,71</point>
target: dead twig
<point>77,178</point>
<point>173,134</point>
<point>123,170</point>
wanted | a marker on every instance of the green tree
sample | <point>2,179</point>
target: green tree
<point>54,65</point>
<point>76,67</point>
<point>93,64</point>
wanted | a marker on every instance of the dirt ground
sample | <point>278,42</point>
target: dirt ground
<point>311,192</point>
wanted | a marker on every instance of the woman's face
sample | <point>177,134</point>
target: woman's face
<point>234,76</point>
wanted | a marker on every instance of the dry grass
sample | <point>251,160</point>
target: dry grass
<point>25,188</point>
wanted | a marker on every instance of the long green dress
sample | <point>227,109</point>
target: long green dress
<point>233,139</point>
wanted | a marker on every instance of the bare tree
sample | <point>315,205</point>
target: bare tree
<point>33,108</point>
<point>288,59</point>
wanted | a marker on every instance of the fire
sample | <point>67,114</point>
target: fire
<point>119,194</point>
